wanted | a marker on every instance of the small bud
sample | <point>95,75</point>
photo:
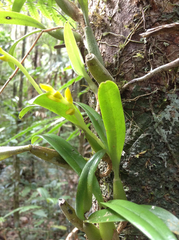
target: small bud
<point>46,88</point>
<point>68,96</point>
<point>58,95</point>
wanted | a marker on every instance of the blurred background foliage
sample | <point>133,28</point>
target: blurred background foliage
<point>28,183</point>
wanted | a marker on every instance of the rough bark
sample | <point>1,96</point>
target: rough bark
<point>150,166</point>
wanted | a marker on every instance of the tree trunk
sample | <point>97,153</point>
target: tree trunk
<point>150,165</point>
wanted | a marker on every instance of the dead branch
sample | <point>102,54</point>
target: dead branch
<point>167,28</point>
<point>73,234</point>
<point>162,68</point>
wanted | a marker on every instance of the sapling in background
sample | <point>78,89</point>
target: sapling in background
<point>106,141</point>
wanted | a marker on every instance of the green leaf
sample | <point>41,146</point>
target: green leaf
<point>43,193</point>
<point>97,122</point>
<point>75,56</point>
<point>59,34</point>
<point>113,118</point>
<point>68,153</point>
<point>60,227</point>
<point>92,45</point>
<point>43,129</point>
<point>22,209</point>
<point>26,110</point>
<point>12,48</point>
<point>94,143</point>
<point>84,8</point>
<point>148,223</point>
<point>33,10</point>
<point>40,213</point>
<point>45,10</point>
<point>56,107</point>
<point>87,184</point>
<point>70,9</point>
<point>8,17</point>
<point>168,218</point>
<point>73,51</point>
<point>33,126</point>
<point>70,82</point>
<point>17,5</point>
<point>54,201</point>
<point>103,216</point>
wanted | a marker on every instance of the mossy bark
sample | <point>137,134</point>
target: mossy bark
<point>150,166</point>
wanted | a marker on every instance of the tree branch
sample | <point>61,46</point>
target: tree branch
<point>161,29</point>
<point>162,68</point>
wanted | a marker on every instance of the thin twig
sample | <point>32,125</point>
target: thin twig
<point>162,68</point>
<point>161,29</point>
<point>17,69</point>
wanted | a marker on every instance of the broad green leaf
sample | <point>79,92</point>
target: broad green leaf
<point>60,109</point>
<point>56,107</point>
<point>113,118</point>
<point>103,216</point>
<point>8,17</point>
<point>68,153</point>
<point>75,56</point>
<point>97,122</point>
<point>168,218</point>
<point>12,48</point>
<point>86,185</point>
<point>17,5</point>
<point>147,222</point>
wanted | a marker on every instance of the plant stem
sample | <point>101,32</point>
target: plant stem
<point>118,190</point>
<point>91,231</point>
<point>19,65</point>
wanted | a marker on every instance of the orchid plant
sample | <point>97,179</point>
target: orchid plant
<point>107,142</point>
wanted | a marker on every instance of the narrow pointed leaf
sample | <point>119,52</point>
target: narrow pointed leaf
<point>73,51</point>
<point>103,216</point>
<point>26,110</point>
<point>12,48</point>
<point>168,218</point>
<point>113,118</point>
<point>84,8</point>
<point>87,184</point>
<point>97,122</point>
<point>75,56</point>
<point>148,223</point>
<point>8,17</point>
<point>56,107</point>
<point>68,153</point>
<point>17,5</point>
